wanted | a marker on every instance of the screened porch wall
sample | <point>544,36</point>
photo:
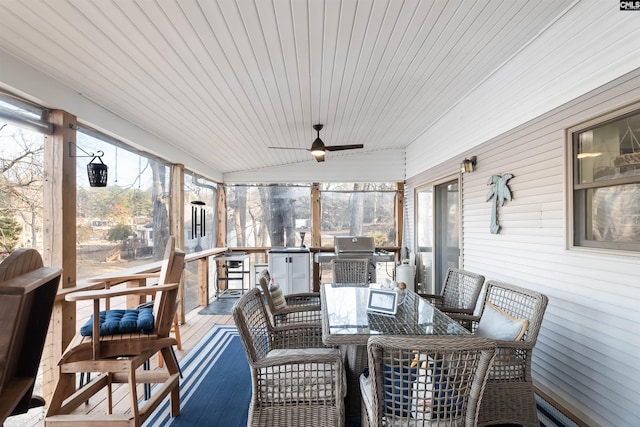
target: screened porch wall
<point>587,352</point>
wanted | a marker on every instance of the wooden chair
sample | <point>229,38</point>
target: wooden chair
<point>118,356</point>
<point>27,294</point>
<point>425,380</point>
<point>301,308</point>
<point>116,278</point>
<point>350,270</point>
<point>509,396</point>
<point>295,380</point>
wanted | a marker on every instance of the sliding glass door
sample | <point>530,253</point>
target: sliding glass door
<point>437,233</point>
<point>424,240</point>
<point>447,230</point>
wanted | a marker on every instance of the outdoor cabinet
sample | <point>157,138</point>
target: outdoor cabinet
<point>290,269</point>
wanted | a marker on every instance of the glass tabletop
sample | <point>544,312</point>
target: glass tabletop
<point>346,320</point>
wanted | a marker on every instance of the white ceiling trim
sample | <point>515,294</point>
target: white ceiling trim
<point>378,166</point>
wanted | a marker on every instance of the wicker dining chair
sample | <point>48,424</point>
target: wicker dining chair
<point>350,270</point>
<point>295,381</point>
<point>509,395</point>
<point>425,380</point>
<point>460,292</point>
<point>300,308</point>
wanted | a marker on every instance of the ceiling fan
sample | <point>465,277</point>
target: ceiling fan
<point>318,149</point>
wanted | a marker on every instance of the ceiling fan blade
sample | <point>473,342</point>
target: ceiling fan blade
<point>289,148</point>
<point>342,147</point>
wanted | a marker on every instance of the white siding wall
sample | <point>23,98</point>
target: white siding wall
<point>588,352</point>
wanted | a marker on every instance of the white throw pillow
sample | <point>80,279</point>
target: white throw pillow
<point>497,324</point>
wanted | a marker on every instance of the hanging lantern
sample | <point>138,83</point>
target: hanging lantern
<point>97,173</point>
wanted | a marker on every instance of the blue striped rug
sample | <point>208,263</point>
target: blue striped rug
<point>216,386</point>
<point>549,416</point>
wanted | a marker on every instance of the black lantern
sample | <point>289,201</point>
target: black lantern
<point>97,173</point>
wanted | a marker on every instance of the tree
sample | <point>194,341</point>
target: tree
<point>119,232</point>
<point>264,233</point>
<point>240,215</point>
<point>9,234</point>
<point>21,178</point>
<point>357,211</point>
<point>160,213</point>
<point>282,214</point>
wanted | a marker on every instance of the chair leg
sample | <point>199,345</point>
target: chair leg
<point>82,382</point>
<point>60,394</point>
<point>172,368</point>
<point>147,387</point>
<point>176,332</point>
<point>109,396</point>
<point>175,359</point>
<point>133,394</point>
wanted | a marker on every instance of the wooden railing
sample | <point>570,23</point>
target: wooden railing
<point>202,260</point>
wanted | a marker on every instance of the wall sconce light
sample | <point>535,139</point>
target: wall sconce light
<point>468,165</point>
<point>96,172</point>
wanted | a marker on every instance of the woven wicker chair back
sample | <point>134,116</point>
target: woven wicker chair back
<point>347,270</point>
<point>253,325</point>
<point>427,380</point>
<point>461,290</point>
<point>521,303</point>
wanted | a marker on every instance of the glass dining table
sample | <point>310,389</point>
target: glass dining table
<point>347,323</point>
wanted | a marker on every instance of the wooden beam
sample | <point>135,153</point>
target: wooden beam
<point>399,214</point>
<point>176,224</point>
<point>203,282</point>
<point>221,240</point>
<point>59,237</point>
<point>316,240</point>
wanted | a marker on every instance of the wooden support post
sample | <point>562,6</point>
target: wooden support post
<point>399,214</point>
<point>203,282</point>
<point>176,224</point>
<point>59,239</point>
<point>316,240</point>
<point>135,300</point>
<point>221,240</point>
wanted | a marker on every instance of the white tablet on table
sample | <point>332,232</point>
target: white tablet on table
<point>382,301</point>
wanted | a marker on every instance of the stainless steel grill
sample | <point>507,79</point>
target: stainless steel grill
<point>360,247</point>
<point>354,246</point>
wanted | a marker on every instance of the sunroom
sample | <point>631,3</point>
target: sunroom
<point>498,138</point>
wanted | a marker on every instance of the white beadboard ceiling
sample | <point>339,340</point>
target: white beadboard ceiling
<point>221,81</point>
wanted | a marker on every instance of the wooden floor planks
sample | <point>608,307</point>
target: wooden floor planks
<point>191,332</point>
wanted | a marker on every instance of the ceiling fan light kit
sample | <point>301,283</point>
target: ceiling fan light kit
<point>318,149</point>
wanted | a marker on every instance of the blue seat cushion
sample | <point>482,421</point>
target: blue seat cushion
<point>114,322</point>
<point>398,385</point>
